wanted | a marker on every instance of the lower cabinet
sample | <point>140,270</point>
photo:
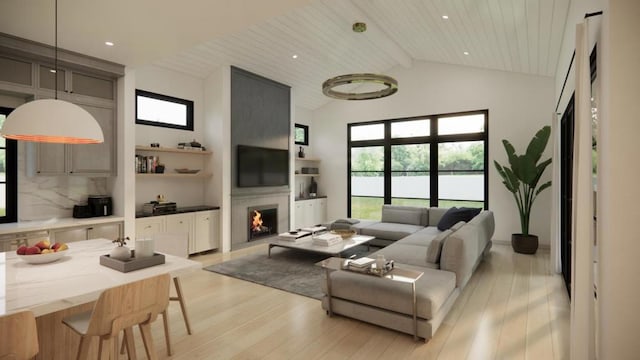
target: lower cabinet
<point>107,231</point>
<point>310,212</point>
<point>182,234</point>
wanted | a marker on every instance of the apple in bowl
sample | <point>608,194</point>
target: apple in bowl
<point>42,252</point>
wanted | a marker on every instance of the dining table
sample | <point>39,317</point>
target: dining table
<point>69,285</point>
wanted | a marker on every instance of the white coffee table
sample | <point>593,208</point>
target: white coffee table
<point>306,244</point>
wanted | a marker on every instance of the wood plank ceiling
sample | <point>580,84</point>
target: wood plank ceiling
<point>521,36</point>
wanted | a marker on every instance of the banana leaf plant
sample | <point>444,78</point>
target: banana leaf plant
<point>523,174</point>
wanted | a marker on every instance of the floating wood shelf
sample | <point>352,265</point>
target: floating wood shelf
<point>174,175</point>
<point>307,159</point>
<point>172,150</point>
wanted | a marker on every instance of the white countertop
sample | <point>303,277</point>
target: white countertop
<point>75,279</point>
<point>55,223</point>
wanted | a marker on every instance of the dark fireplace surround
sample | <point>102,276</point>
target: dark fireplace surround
<point>262,221</point>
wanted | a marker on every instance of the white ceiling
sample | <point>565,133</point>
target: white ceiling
<point>197,36</point>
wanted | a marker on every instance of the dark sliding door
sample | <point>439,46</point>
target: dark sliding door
<point>566,190</point>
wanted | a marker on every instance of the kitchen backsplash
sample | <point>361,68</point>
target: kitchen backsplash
<point>47,197</point>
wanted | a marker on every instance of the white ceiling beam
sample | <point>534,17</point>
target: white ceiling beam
<point>348,11</point>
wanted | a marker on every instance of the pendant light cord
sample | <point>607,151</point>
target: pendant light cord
<point>55,54</point>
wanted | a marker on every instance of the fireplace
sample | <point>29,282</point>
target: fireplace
<point>263,221</point>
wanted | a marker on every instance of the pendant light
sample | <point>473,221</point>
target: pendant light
<point>52,120</point>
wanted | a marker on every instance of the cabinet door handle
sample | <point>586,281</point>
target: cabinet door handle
<point>180,222</point>
<point>148,227</point>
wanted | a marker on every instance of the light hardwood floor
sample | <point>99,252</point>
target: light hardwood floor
<point>512,308</point>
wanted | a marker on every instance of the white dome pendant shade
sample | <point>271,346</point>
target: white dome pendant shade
<point>52,121</point>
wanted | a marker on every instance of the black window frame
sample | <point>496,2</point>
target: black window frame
<point>152,95</point>
<point>433,139</point>
<point>11,180</point>
<point>305,128</point>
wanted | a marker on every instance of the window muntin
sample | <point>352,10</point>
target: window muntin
<point>164,111</point>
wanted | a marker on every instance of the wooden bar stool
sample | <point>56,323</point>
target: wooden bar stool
<point>19,338</point>
<point>119,309</point>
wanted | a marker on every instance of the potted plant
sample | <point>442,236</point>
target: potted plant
<point>521,178</point>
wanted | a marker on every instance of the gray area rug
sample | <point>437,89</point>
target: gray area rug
<point>289,270</point>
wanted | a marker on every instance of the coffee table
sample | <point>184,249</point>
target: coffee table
<point>306,244</point>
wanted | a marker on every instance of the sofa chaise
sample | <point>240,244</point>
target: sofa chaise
<point>447,258</point>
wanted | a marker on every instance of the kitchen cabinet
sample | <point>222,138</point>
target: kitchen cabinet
<point>74,82</point>
<point>86,159</point>
<point>310,212</point>
<point>14,71</point>
<point>206,231</point>
<point>107,231</point>
<point>182,234</point>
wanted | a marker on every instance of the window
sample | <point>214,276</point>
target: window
<point>301,135</point>
<point>8,175</point>
<point>164,111</point>
<point>437,160</point>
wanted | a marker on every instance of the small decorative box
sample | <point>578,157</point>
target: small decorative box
<point>132,263</point>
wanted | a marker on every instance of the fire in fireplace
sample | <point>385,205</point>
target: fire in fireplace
<point>263,221</point>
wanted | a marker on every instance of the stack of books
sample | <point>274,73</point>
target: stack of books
<point>327,239</point>
<point>293,235</point>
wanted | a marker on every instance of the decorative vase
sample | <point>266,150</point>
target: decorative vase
<point>301,152</point>
<point>313,188</point>
<point>120,253</point>
<point>524,244</point>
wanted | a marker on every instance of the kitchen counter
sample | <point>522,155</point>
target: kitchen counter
<point>55,223</point>
<point>311,198</point>
<point>180,210</point>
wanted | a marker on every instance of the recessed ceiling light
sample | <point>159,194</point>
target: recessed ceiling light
<point>108,43</point>
<point>466,53</point>
<point>445,17</point>
<point>294,56</point>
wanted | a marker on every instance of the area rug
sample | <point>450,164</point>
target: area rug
<point>289,270</point>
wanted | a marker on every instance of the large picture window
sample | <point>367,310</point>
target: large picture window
<point>8,175</point>
<point>436,160</point>
<point>164,111</point>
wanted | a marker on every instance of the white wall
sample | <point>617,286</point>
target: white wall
<point>519,105</point>
<point>172,83</point>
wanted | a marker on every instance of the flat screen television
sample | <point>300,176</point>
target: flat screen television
<point>258,166</point>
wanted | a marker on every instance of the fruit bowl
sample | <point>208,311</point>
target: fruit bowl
<point>43,258</point>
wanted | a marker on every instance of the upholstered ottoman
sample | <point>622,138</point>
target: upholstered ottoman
<point>389,303</point>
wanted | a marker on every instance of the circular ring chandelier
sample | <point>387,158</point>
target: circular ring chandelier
<point>391,86</point>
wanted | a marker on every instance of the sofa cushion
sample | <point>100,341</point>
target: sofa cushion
<point>435,247</point>
<point>405,254</point>
<point>435,214</point>
<point>361,225</point>
<point>454,215</point>
<point>432,290</point>
<point>458,225</point>
<point>421,237</point>
<point>389,231</point>
<point>404,214</point>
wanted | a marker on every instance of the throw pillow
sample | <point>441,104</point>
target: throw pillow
<point>454,215</point>
<point>435,247</point>
<point>458,225</point>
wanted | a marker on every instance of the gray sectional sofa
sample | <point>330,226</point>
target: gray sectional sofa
<point>447,259</point>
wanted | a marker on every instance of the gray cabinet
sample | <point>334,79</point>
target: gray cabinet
<point>16,72</point>
<point>86,160</point>
<point>74,82</point>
